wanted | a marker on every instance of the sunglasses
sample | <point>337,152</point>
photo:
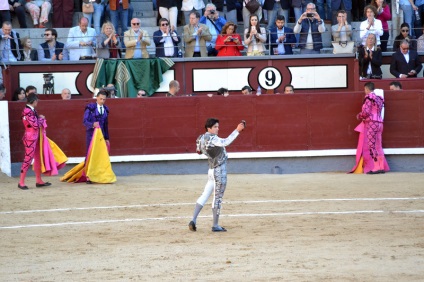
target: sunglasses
<point>405,30</point>
<point>164,24</point>
<point>135,23</point>
<point>47,34</point>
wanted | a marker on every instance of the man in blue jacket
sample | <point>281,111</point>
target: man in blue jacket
<point>166,40</point>
<point>282,37</point>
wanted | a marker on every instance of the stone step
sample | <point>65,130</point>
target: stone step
<point>142,6</point>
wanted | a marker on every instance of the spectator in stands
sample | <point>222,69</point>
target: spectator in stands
<point>4,11</point>
<point>255,37</point>
<point>96,16</point>
<point>166,40</point>
<point>108,42</point>
<point>246,90</point>
<point>195,36</point>
<point>342,31</point>
<point>52,50</point>
<point>247,13</point>
<point>223,91</point>
<point>28,53</point>
<point>66,94</point>
<point>63,13</point>
<point>215,23</point>
<point>81,41</point>
<point>405,62</point>
<point>112,90</point>
<point>19,95</point>
<point>2,91</point>
<point>30,89</point>
<point>119,14</point>
<point>395,85</point>
<point>384,15</point>
<point>420,42</point>
<point>336,6</point>
<point>276,8</point>
<point>370,59</point>
<point>141,93</point>
<point>18,7</point>
<point>39,11</point>
<point>10,45</point>
<point>174,87</point>
<point>288,89</point>
<point>136,40</point>
<point>229,10</point>
<point>310,29</point>
<point>168,10</point>
<point>189,6</point>
<point>404,35</point>
<point>282,37</point>
<point>408,8</point>
<point>229,42</point>
<point>370,25</point>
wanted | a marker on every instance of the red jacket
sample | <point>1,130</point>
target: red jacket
<point>226,49</point>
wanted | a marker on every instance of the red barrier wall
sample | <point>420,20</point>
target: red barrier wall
<point>274,122</point>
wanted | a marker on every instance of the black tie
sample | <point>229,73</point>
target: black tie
<point>101,110</point>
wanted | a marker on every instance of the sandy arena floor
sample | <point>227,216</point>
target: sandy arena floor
<point>299,227</point>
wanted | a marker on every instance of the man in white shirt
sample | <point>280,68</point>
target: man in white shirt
<point>166,40</point>
<point>81,41</point>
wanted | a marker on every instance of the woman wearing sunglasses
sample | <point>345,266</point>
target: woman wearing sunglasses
<point>404,35</point>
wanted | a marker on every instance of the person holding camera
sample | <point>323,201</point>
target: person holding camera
<point>215,23</point>
<point>310,26</point>
<point>229,42</point>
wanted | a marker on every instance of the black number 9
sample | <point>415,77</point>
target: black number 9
<point>270,78</point>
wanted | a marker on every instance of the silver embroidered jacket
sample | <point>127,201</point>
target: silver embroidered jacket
<point>214,147</point>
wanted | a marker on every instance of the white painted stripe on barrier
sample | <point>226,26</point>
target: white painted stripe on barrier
<point>225,202</point>
<point>251,155</point>
<point>188,217</point>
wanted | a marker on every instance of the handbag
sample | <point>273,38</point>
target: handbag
<point>252,6</point>
<point>343,47</point>
<point>87,8</point>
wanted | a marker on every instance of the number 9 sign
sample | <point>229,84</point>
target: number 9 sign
<point>269,78</point>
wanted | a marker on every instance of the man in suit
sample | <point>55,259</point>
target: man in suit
<point>51,50</point>
<point>10,44</point>
<point>195,37</point>
<point>405,63</point>
<point>282,37</point>
<point>81,41</point>
<point>166,40</point>
<point>136,40</point>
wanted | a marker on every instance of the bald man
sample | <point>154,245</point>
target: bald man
<point>81,41</point>
<point>66,94</point>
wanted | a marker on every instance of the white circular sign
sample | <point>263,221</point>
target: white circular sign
<point>269,78</point>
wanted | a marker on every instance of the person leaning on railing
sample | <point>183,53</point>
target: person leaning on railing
<point>255,37</point>
<point>229,42</point>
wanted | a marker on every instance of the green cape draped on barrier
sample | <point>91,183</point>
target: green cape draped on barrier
<point>131,75</point>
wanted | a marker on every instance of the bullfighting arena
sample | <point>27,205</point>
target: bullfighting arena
<point>298,227</point>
